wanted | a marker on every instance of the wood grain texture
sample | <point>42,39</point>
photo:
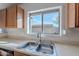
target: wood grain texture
<point>3,18</point>
<point>13,14</point>
<point>71,15</point>
<point>77,15</point>
<point>20,13</point>
<point>20,54</point>
<point>11,17</point>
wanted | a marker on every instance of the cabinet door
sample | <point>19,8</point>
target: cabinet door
<point>71,15</point>
<point>77,15</point>
<point>3,18</point>
<point>19,54</point>
<point>11,17</point>
<point>20,17</point>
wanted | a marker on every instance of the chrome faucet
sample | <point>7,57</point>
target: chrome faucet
<point>39,36</point>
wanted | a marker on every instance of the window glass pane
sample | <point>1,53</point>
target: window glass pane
<point>51,22</point>
<point>36,23</point>
<point>1,30</point>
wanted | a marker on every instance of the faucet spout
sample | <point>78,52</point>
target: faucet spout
<point>39,36</point>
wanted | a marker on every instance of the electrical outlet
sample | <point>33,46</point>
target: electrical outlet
<point>64,32</point>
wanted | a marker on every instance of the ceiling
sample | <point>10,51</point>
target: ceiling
<point>4,5</point>
<point>37,6</point>
<point>31,6</point>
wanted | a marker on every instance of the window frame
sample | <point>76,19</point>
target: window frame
<point>1,31</point>
<point>47,12</point>
<point>30,21</point>
<point>47,9</point>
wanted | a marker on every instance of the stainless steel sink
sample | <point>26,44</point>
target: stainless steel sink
<point>45,48</point>
<point>42,48</point>
<point>30,46</point>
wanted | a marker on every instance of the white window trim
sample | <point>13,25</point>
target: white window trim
<point>1,30</point>
<point>46,9</point>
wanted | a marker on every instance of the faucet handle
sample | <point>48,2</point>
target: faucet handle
<point>38,35</point>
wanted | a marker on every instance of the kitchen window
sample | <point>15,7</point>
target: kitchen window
<point>45,22</point>
<point>1,31</point>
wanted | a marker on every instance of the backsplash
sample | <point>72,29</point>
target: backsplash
<point>72,34</point>
<point>3,35</point>
<point>17,32</point>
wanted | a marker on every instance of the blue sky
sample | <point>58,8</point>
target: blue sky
<point>50,18</point>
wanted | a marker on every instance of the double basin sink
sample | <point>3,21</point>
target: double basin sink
<point>38,47</point>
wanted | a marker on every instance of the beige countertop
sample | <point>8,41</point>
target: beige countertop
<point>64,40</point>
<point>61,49</point>
<point>12,44</point>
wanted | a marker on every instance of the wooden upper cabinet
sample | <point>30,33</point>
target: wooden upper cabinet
<point>3,18</point>
<point>73,15</point>
<point>11,17</point>
<point>15,17</point>
<point>77,15</point>
<point>20,17</point>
